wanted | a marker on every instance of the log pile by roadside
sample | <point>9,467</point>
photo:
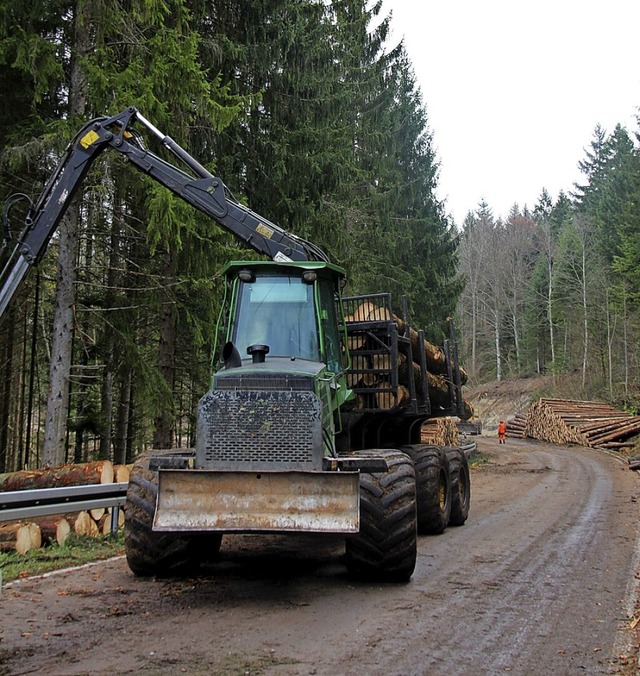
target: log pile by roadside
<point>23,536</point>
<point>20,536</point>
<point>516,426</point>
<point>80,474</point>
<point>587,423</point>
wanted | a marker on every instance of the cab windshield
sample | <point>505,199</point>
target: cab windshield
<point>277,311</point>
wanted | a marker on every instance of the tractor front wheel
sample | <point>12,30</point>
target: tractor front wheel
<point>156,553</point>
<point>385,549</point>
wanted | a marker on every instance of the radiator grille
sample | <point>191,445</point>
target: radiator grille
<point>260,430</point>
<point>267,381</point>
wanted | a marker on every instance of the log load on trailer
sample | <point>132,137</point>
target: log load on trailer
<point>313,420</point>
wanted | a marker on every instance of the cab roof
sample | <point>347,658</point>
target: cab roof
<point>233,267</point>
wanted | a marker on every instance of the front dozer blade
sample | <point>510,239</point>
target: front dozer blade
<point>228,501</point>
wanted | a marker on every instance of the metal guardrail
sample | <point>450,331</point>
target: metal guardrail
<point>469,448</point>
<point>29,504</point>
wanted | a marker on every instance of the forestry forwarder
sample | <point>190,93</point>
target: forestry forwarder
<point>296,434</point>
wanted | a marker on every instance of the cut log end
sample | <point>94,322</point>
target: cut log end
<point>21,537</point>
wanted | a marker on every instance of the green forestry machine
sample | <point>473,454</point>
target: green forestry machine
<point>313,420</point>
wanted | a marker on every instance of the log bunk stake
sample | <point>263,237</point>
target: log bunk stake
<point>371,366</point>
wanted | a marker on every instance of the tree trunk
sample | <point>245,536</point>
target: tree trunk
<point>516,343</point>
<point>6,362</point>
<point>164,422</point>
<point>120,441</point>
<point>585,318</point>
<point>163,432</point>
<point>53,449</point>
<point>54,446</point>
<point>113,282</point>
<point>33,366</point>
<point>497,341</point>
<point>552,339</point>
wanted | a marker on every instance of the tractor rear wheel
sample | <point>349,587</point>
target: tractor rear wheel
<point>158,553</point>
<point>433,486</point>
<point>385,549</point>
<point>460,486</point>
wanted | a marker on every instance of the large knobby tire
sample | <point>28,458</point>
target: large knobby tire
<point>385,549</point>
<point>460,486</point>
<point>156,553</point>
<point>433,487</point>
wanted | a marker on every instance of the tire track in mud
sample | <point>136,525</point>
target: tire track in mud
<point>543,574</point>
<point>528,587</point>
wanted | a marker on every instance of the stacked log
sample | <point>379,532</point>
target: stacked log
<point>121,474</point>
<point>435,356</point>
<point>82,474</point>
<point>516,426</point>
<point>94,522</point>
<point>21,536</point>
<point>54,528</point>
<point>439,432</point>
<point>104,525</point>
<point>387,400</point>
<point>587,423</point>
<point>436,359</point>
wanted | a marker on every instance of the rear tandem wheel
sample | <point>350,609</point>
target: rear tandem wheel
<point>433,486</point>
<point>460,485</point>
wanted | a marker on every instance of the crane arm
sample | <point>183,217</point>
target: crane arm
<point>197,186</point>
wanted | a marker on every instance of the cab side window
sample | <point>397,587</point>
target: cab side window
<point>329,320</point>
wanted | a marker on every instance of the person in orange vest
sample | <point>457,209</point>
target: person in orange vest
<point>502,432</point>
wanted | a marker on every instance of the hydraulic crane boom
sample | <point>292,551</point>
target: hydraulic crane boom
<point>205,192</point>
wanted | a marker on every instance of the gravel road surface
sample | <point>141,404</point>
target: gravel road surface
<point>540,580</point>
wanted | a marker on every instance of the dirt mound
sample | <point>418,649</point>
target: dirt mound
<point>502,399</point>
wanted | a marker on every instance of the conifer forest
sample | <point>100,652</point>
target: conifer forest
<point>314,119</point>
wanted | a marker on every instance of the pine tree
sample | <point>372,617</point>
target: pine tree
<point>156,68</point>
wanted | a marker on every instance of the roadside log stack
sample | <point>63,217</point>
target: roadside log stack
<point>23,536</point>
<point>587,423</point>
<point>20,536</point>
<point>516,426</point>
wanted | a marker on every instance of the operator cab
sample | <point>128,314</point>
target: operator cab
<point>285,310</point>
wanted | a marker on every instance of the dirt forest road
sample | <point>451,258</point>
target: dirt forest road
<point>541,580</point>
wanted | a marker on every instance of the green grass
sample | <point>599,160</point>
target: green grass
<point>478,459</point>
<point>74,552</point>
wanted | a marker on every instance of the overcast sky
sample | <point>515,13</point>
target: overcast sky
<point>514,89</point>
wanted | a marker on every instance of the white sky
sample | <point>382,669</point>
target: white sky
<point>515,88</point>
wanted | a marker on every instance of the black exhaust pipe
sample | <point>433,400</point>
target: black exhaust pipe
<point>231,356</point>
